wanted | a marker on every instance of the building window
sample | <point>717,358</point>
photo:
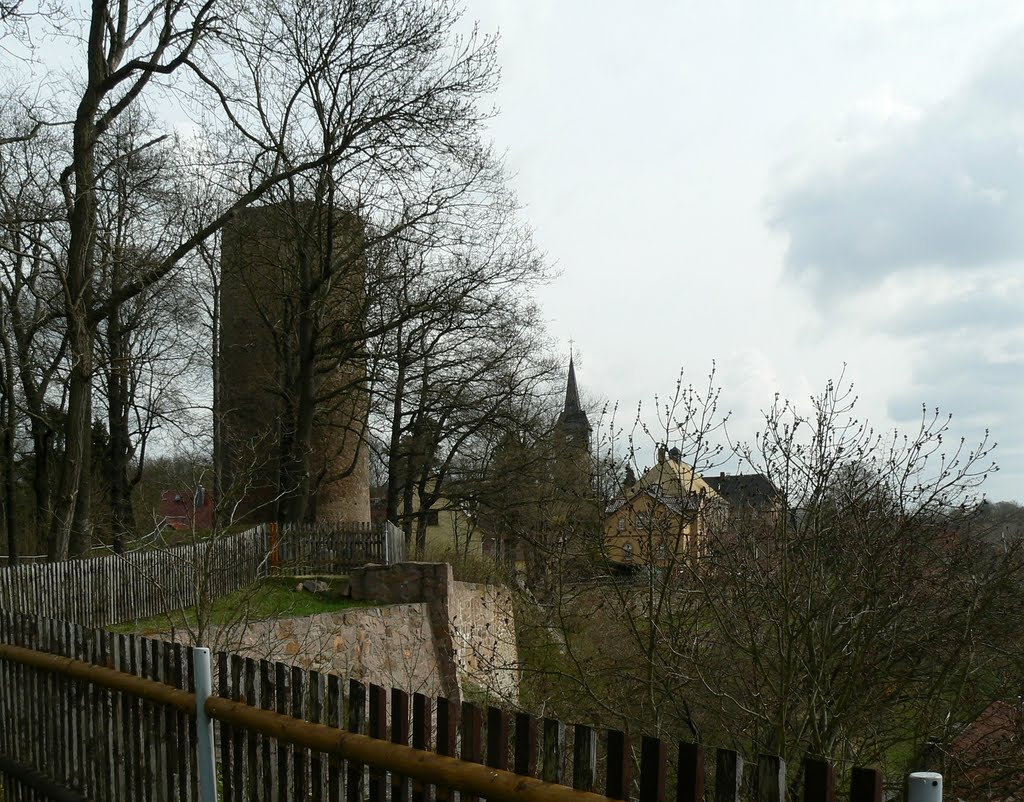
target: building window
<point>627,552</point>
<point>431,517</point>
<point>622,524</point>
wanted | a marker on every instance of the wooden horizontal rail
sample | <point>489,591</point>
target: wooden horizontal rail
<point>427,767</point>
<point>473,778</point>
<point>148,689</point>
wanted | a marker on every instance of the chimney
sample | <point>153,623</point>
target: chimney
<point>721,475</point>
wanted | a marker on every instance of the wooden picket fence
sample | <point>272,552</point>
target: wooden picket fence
<point>100,591</point>
<point>105,590</point>
<point>328,548</point>
<point>91,741</point>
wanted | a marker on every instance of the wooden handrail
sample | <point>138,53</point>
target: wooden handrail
<point>428,767</point>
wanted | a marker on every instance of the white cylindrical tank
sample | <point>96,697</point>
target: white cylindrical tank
<point>924,786</point>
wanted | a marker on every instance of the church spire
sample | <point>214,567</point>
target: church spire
<point>572,394</point>
<point>573,421</point>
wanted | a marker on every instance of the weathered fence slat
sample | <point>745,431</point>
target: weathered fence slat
<point>252,740</point>
<point>554,751</point>
<point>497,738</point>
<point>728,776</point>
<point>378,725</point>
<point>447,722</point>
<point>400,789</point>
<point>226,740</point>
<point>770,779</point>
<point>865,785</point>
<point>584,758</point>
<point>690,779</point>
<point>356,723</point>
<point>819,781</point>
<point>472,740</point>
<point>422,722</point>
<point>653,769</point>
<point>334,715</point>
<point>525,760</point>
<point>619,771</point>
<point>297,709</point>
<point>283,750</point>
<point>315,713</point>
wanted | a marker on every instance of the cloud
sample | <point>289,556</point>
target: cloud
<point>943,188</point>
<point>978,380</point>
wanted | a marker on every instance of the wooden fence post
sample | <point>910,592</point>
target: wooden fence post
<point>770,779</point>
<point>866,785</point>
<point>525,762</point>
<point>554,749</point>
<point>584,758</point>
<point>690,780</point>
<point>819,780</point>
<point>728,776</point>
<point>653,769</point>
<point>356,723</point>
<point>400,790</point>
<point>619,772</point>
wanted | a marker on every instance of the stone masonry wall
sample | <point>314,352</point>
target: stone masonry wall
<point>484,631</point>
<point>473,625</point>
<point>392,645</point>
<point>431,634</point>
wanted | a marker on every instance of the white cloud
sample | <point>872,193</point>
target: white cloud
<point>943,187</point>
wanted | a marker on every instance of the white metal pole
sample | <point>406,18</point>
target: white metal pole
<point>924,786</point>
<point>206,758</point>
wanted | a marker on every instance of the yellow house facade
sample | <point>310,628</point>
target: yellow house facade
<point>661,521</point>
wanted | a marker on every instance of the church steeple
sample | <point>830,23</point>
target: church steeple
<point>573,421</point>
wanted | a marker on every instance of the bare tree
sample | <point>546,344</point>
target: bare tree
<point>375,102</point>
<point>858,614</point>
<point>30,247</point>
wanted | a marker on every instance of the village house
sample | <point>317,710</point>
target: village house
<point>673,516</point>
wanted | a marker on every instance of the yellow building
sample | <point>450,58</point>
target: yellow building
<point>661,520</point>
<point>671,515</point>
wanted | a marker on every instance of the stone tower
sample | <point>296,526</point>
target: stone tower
<point>273,307</point>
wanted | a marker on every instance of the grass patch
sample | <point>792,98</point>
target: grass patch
<point>274,597</point>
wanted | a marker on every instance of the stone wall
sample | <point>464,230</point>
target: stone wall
<point>430,635</point>
<point>473,625</point>
<point>484,632</point>
<point>391,645</point>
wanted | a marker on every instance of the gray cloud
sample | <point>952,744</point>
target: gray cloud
<point>981,306</point>
<point>946,191</point>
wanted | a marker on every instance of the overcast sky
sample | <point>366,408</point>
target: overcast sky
<point>782,187</point>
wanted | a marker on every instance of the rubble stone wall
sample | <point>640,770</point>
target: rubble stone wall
<point>430,635</point>
<point>391,645</point>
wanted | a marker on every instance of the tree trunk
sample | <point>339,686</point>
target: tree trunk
<point>122,515</point>
<point>10,431</point>
<point>295,489</point>
<point>395,446</point>
<point>71,530</point>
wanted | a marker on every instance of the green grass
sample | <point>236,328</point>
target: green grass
<point>274,597</point>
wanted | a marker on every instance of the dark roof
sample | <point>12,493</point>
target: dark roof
<point>677,505</point>
<point>750,489</point>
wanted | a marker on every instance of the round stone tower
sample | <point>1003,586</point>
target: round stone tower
<point>293,400</point>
